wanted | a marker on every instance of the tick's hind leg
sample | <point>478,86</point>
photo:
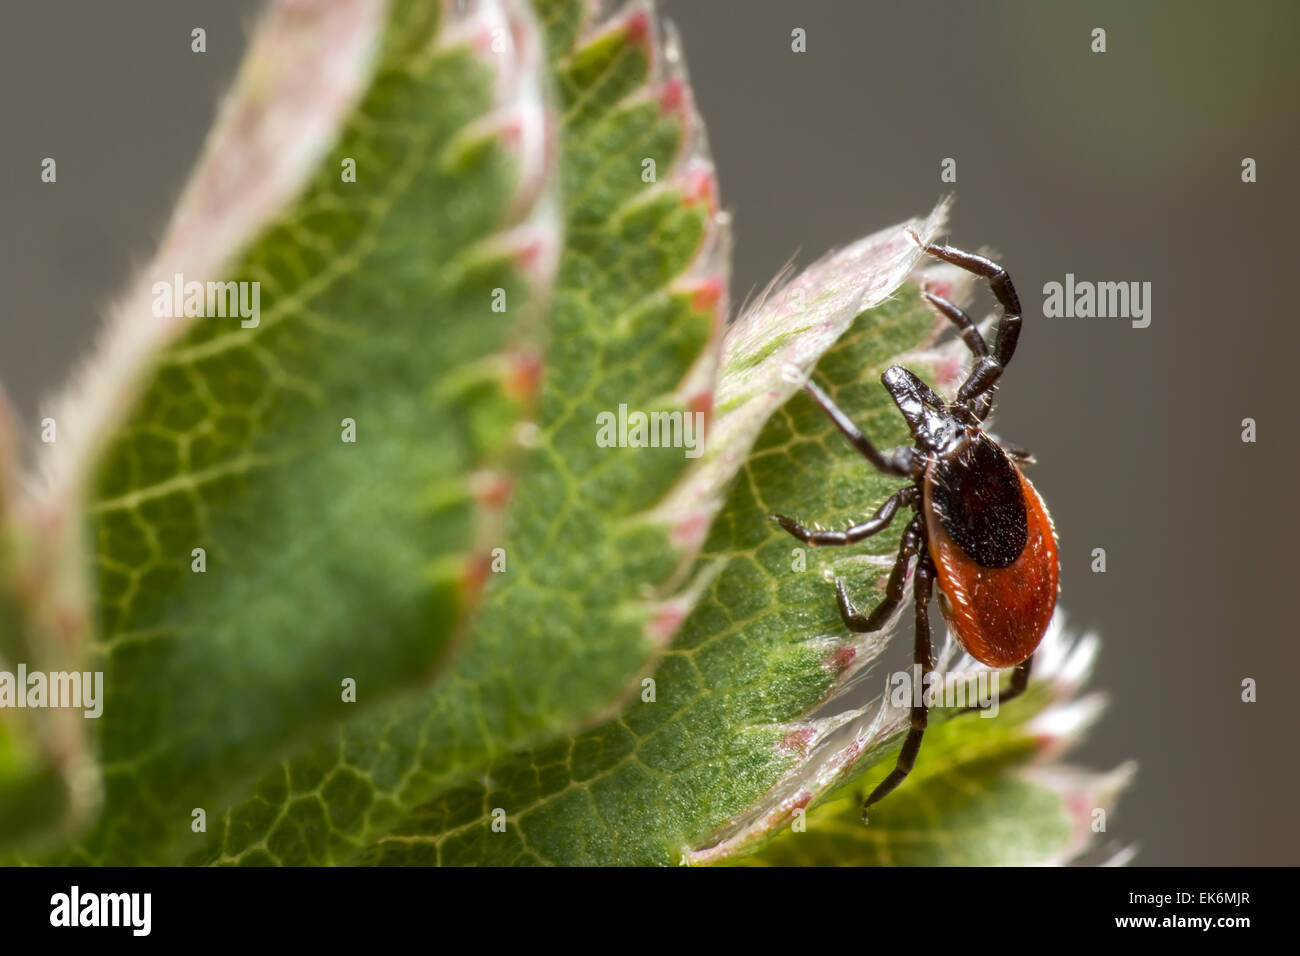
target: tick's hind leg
<point>920,713</point>
<point>987,368</point>
<point>866,623</point>
<point>858,532</point>
<point>1019,681</point>
<point>1021,456</point>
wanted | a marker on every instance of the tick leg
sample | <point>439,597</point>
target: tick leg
<point>1019,681</point>
<point>1018,454</point>
<point>883,516</point>
<point>970,333</point>
<point>864,623</point>
<point>920,713</point>
<point>987,368</point>
<point>897,462</point>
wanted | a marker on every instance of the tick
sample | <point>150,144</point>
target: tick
<point>980,533</point>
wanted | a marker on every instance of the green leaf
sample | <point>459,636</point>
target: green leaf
<point>598,537</point>
<point>981,792</point>
<point>764,647</point>
<point>336,456</point>
<point>48,780</point>
<point>607,648</point>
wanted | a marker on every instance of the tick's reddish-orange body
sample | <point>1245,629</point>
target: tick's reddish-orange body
<point>980,534</point>
<point>998,614</point>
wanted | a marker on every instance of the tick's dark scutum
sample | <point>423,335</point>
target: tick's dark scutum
<point>979,501</point>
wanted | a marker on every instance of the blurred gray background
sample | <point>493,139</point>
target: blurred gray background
<point>1122,166</point>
